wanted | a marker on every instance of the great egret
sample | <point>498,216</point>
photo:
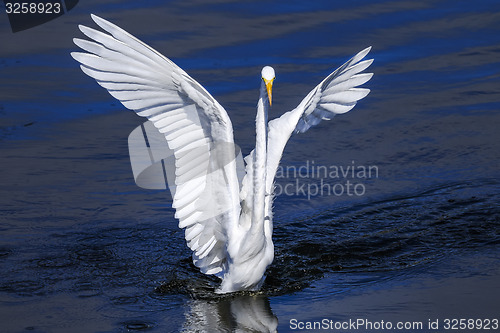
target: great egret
<point>235,242</point>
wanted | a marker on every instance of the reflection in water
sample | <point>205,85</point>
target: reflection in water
<point>242,313</point>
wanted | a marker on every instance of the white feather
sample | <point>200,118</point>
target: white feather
<point>303,117</point>
<point>229,238</point>
<point>153,86</point>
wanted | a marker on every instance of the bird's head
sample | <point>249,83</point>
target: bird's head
<point>268,78</point>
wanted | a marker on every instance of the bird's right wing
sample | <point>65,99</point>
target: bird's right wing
<point>197,129</point>
<point>336,94</point>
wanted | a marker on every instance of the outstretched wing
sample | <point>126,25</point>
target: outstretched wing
<point>337,93</point>
<point>195,125</point>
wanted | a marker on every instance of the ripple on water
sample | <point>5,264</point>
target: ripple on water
<point>23,287</point>
<point>55,262</point>
<point>367,241</point>
<point>4,252</point>
<point>87,289</point>
<point>137,325</point>
<point>387,235</point>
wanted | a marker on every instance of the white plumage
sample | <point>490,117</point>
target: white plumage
<point>228,228</point>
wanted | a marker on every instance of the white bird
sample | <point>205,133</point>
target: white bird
<point>228,226</point>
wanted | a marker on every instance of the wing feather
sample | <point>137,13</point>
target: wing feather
<point>193,123</point>
<point>344,97</point>
<point>354,81</point>
<point>336,94</point>
<point>190,219</point>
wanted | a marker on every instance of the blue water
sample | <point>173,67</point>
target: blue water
<point>83,249</point>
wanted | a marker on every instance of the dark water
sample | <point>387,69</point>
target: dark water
<point>83,249</point>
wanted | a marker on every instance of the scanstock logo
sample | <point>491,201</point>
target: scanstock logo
<point>26,14</point>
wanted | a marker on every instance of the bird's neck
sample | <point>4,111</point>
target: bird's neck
<point>259,176</point>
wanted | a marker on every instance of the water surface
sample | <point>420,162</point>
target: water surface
<point>83,249</point>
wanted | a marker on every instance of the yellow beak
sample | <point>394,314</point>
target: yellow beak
<point>269,87</point>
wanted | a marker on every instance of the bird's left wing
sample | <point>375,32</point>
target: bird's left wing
<point>337,93</point>
<point>195,125</point>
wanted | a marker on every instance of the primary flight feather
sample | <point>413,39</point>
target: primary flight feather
<point>228,222</point>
